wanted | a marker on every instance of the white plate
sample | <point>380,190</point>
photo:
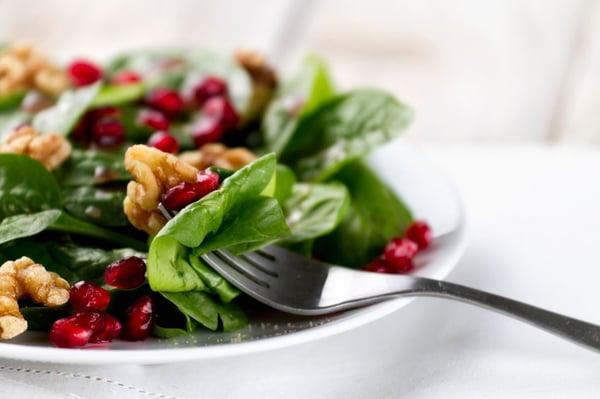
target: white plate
<point>429,194</point>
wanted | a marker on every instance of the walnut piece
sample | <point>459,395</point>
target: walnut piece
<point>216,154</point>
<point>23,277</point>
<point>154,172</point>
<point>24,68</point>
<point>49,149</point>
<point>264,83</point>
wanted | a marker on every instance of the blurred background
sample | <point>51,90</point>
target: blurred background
<point>494,71</point>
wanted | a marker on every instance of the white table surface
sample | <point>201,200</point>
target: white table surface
<point>535,235</point>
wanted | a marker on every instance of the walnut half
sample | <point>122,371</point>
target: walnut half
<point>49,149</point>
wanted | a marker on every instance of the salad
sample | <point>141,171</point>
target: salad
<point>115,178</point>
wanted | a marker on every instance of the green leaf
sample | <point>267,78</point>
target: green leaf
<point>284,183</point>
<point>208,311</point>
<point>11,100</point>
<point>61,117</point>
<point>26,186</point>
<point>308,89</point>
<point>92,167</point>
<point>117,95</point>
<point>69,224</point>
<point>314,210</point>
<point>213,280</point>
<point>376,215</point>
<point>223,212</point>
<point>18,226</point>
<point>346,127</point>
<point>96,205</point>
<point>41,318</point>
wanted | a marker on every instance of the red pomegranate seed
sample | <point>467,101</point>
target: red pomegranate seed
<point>420,232</point>
<point>166,100</point>
<point>86,295</point>
<point>126,273</point>
<point>108,133</point>
<point>164,142</point>
<point>211,86</point>
<point>91,319</point>
<point>126,77</point>
<point>221,109</point>
<point>207,130</point>
<point>70,333</point>
<point>377,266</point>
<point>398,254</point>
<point>153,119</point>
<point>84,72</point>
<point>140,318</point>
<point>183,194</point>
<point>109,330</point>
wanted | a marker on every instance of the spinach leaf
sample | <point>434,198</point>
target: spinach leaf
<point>284,183</point>
<point>92,167</point>
<point>213,280</point>
<point>25,225</point>
<point>314,210</point>
<point>346,127</point>
<point>72,261</point>
<point>61,117</point>
<point>310,87</point>
<point>26,186</point>
<point>208,311</point>
<point>69,224</point>
<point>201,223</point>
<point>96,205</point>
<point>158,67</point>
<point>41,318</point>
<point>116,95</point>
<point>376,215</point>
<point>11,100</point>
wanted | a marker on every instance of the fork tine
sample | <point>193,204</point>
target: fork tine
<point>265,265</point>
<point>234,276</point>
<point>249,268</point>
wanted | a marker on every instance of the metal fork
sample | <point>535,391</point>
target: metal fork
<point>294,284</point>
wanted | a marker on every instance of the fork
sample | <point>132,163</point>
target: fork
<point>294,284</point>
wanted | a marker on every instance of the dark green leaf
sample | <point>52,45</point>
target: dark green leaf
<point>61,117</point>
<point>68,224</point>
<point>96,205</point>
<point>307,90</point>
<point>26,186</point>
<point>207,310</point>
<point>26,225</point>
<point>346,127</point>
<point>314,210</point>
<point>92,167</point>
<point>376,215</point>
<point>41,318</point>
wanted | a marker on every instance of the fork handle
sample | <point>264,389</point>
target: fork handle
<point>577,331</point>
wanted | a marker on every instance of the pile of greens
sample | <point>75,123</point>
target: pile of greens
<point>310,190</point>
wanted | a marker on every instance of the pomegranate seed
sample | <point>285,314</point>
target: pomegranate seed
<point>86,295</point>
<point>398,254</point>
<point>126,273</point>
<point>90,118</point>
<point>109,331</point>
<point>211,86</point>
<point>166,100</point>
<point>140,318</point>
<point>108,133</point>
<point>164,142</point>
<point>377,266</point>
<point>183,194</point>
<point>420,232</point>
<point>84,72</point>
<point>153,119</point>
<point>207,130</point>
<point>126,77</point>
<point>70,333</point>
<point>221,109</point>
<point>91,319</point>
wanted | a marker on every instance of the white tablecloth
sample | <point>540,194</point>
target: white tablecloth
<point>535,235</point>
